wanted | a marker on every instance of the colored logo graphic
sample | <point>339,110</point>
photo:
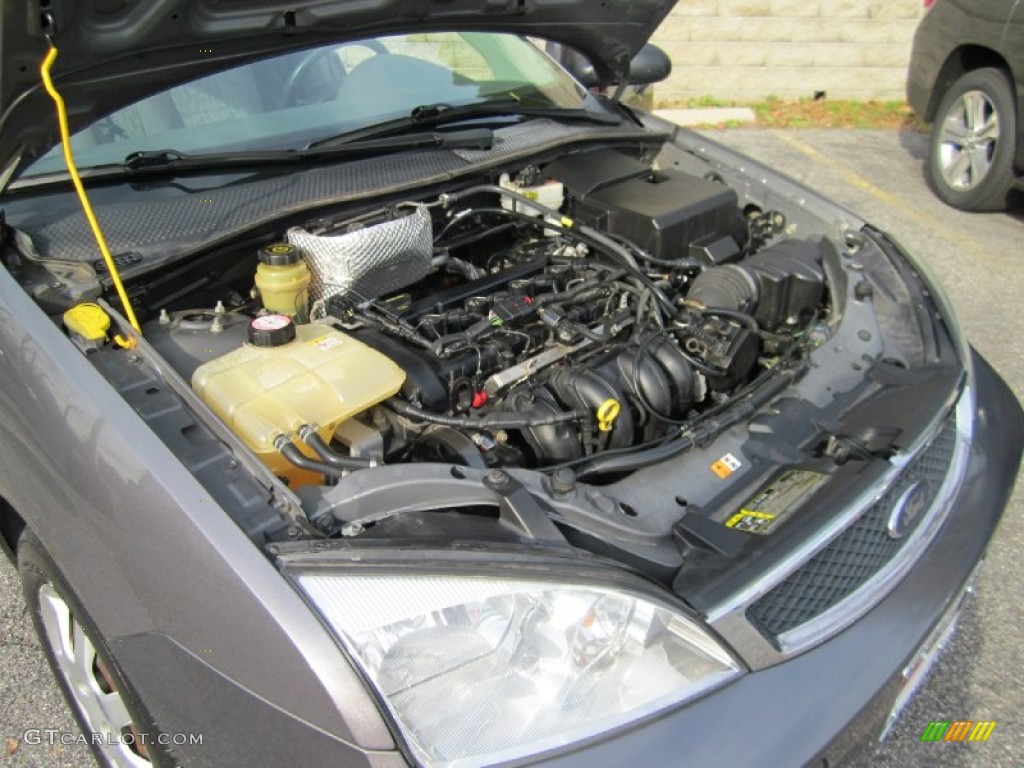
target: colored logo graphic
<point>958,730</point>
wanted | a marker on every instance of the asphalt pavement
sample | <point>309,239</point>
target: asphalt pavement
<point>980,260</point>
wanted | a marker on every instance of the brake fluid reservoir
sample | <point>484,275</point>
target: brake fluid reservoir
<point>283,281</point>
<point>287,376</point>
<point>550,194</point>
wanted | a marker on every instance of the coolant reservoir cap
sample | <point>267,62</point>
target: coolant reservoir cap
<point>279,255</point>
<point>271,331</point>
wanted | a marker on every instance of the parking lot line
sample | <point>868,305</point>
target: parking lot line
<point>853,178</point>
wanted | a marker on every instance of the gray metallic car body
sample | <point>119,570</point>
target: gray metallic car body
<point>208,631</point>
<point>143,544</point>
<point>204,626</point>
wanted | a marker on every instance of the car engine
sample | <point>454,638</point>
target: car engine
<point>595,305</point>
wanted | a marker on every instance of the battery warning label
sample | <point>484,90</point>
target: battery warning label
<point>726,465</point>
<point>775,502</point>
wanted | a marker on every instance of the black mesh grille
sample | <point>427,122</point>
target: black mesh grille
<point>852,558</point>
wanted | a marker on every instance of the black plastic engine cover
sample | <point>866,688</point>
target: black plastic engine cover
<point>661,211</point>
<point>426,377</point>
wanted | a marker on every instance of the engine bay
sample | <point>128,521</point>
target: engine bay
<point>592,307</point>
<point>571,324</point>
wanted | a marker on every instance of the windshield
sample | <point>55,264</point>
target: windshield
<point>292,100</point>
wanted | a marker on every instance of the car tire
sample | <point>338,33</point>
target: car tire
<point>95,688</point>
<point>974,138</point>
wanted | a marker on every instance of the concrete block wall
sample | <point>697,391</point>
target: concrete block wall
<point>746,50</point>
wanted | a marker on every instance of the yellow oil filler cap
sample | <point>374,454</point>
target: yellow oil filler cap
<point>607,414</point>
<point>88,324</point>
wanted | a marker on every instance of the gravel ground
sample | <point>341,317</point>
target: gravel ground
<point>979,259</point>
<point>29,698</point>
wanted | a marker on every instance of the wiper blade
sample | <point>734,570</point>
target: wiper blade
<point>442,114</point>
<point>170,159</point>
<point>171,162</point>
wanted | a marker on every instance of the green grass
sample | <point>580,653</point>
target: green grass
<point>775,112</point>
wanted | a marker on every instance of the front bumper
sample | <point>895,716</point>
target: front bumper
<point>821,704</point>
<point>814,706</point>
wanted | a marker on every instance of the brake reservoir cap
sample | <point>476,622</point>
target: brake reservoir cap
<point>88,321</point>
<point>271,331</point>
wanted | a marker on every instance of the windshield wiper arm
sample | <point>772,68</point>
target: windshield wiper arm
<point>171,162</point>
<point>163,160</point>
<point>440,114</point>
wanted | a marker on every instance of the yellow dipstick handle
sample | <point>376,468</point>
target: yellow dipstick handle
<point>607,414</point>
<point>94,225</point>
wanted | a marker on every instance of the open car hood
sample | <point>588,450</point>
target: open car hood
<point>114,52</point>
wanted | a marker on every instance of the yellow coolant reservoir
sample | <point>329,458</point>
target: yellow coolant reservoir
<point>289,375</point>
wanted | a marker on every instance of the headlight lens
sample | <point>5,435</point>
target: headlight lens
<point>477,671</point>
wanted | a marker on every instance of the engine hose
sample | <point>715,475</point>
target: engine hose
<point>682,263</point>
<point>586,234</point>
<point>291,452</point>
<point>565,297</point>
<point>596,241</point>
<point>493,189</point>
<point>392,328</point>
<point>685,262</point>
<point>604,243</point>
<point>582,330</point>
<point>491,421</point>
<point>734,314</point>
<point>475,332</point>
<point>641,306</point>
<point>330,456</point>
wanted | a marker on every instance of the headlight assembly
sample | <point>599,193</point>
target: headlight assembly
<point>480,670</point>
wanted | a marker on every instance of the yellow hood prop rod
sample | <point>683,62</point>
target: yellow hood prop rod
<point>94,225</point>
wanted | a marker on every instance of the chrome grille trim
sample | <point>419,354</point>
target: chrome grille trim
<point>860,552</point>
<point>730,618</point>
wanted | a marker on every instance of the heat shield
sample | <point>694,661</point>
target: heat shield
<point>367,263</point>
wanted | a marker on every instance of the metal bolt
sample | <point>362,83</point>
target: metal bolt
<point>353,529</point>
<point>563,481</point>
<point>497,478</point>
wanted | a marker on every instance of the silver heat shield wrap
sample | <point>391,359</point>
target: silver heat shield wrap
<point>369,262</point>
